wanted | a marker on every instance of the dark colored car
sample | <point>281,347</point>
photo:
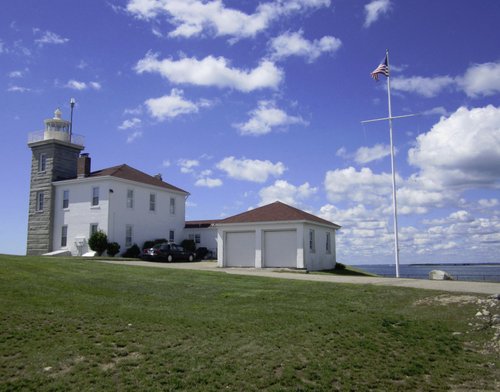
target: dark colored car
<point>167,252</point>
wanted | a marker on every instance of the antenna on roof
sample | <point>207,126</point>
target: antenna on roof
<point>72,105</point>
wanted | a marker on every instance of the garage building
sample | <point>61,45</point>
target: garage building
<point>276,236</point>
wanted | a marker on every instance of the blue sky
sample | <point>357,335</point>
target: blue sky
<point>242,103</point>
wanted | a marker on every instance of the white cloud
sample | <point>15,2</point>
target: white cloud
<point>266,117</point>
<point>208,182</point>
<point>478,80</point>
<point>294,44</point>
<point>134,111</point>
<point>488,203</point>
<point>78,85</point>
<point>170,106</point>
<point>15,74</point>
<point>187,165</point>
<point>251,170</point>
<point>440,110</point>
<point>133,136</point>
<point>18,89</point>
<point>368,154</point>
<point>462,150</point>
<point>285,192</point>
<point>212,71</point>
<point>375,9</point>
<point>195,17</point>
<point>48,37</point>
<point>425,86</point>
<point>481,79</point>
<point>132,123</point>
<point>358,186</point>
<point>166,163</point>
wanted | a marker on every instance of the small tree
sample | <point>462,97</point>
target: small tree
<point>113,248</point>
<point>98,242</point>
<point>189,245</point>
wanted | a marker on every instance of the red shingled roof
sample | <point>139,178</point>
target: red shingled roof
<point>129,173</point>
<point>276,212</point>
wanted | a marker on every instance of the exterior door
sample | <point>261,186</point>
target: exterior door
<point>239,249</point>
<point>280,248</point>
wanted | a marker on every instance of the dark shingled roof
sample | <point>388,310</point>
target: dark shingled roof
<point>197,224</point>
<point>129,173</point>
<point>276,212</point>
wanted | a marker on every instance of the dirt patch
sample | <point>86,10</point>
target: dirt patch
<point>448,299</point>
<point>133,356</point>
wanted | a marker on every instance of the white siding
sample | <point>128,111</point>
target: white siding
<point>112,214</point>
<point>208,237</point>
<point>273,245</point>
<point>319,259</point>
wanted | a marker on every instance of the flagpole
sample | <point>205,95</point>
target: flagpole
<point>394,202</point>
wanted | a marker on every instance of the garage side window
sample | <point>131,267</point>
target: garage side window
<point>312,245</point>
<point>328,243</point>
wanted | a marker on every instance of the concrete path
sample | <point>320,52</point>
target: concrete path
<point>444,285</point>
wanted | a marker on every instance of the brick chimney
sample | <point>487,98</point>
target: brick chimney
<point>83,167</point>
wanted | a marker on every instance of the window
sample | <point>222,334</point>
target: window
<point>171,236</point>
<point>42,162</point>
<point>195,237</point>
<point>65,199</point>
<point>64,236</point>
<point>93,229</point>
<point>95,196</point>
<point>152,202</point>
<point>312,247</point>
<point>39,201</point>
<point>328,243</point>
<point>172,205</point>
<point>128,235</point>
<point>130,198</point>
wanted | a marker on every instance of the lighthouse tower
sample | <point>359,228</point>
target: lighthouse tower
<point>55,152</point>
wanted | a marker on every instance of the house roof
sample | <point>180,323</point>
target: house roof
<point>275,212</point>
<point>129,173</point>
<point>197,224</point>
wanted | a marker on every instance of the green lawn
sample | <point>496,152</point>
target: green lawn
<point>69,324</point>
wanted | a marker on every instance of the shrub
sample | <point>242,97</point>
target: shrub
<point>150,244</point>
<point>98,242</point>
<point>113,248</point>
<point>188,245</point>
<point>339,266</point>
<point>132,252</point>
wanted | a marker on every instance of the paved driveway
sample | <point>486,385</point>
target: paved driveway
<point>444,285</point>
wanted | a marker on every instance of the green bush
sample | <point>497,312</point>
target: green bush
<point>98,242</point>
<point>113,249</point>
<point>339,266</point>
<point>188,245</point>
<point>132,252</point>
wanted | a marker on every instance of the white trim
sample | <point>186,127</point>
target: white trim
<point>118,179</point>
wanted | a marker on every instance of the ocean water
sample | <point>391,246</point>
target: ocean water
<point>472,272</point>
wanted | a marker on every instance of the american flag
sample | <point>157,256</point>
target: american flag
<point>383,69</point>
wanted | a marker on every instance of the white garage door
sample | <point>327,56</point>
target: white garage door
<point>240,249</point>
<point>280,248</point>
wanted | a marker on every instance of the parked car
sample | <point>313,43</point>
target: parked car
<point>167,251</point>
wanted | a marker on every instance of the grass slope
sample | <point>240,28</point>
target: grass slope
<point>80,325</point>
